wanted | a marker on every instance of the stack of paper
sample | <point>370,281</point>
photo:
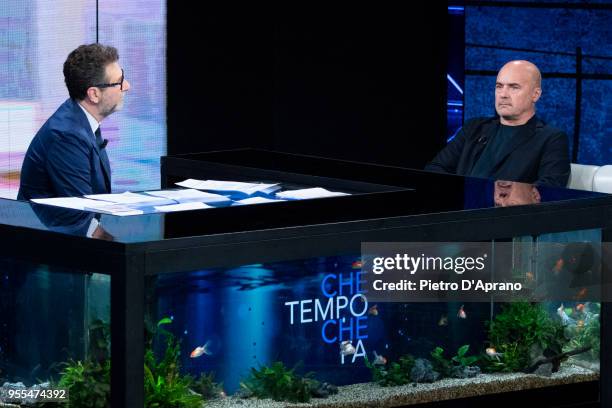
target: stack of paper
<point>129,198</point>
<point>76,203</point>
<point>190,195</point>
<point>181,207</point>
<point>230,187</point>
<point>256,200</point>
<point>303,194</point>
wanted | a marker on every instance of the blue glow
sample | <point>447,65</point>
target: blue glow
<point>455,84</point>
<point>453,136</point>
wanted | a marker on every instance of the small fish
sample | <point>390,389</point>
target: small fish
<point>373,310</point>
<point>530,276</point>
<point>443,320</point>
<point>580,308</point>
<point>357,264</point>
<point>378,359</point>
<point>201,350</point>
<point>347,348</point>
<point>580,323</point>
<point>565,319</point>
<point>461,313</point>
<point>559,265</point>
<point>582,293</point>
<point>491,352</point>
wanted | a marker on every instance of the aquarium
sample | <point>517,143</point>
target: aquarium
<point>268,304</point>
<point>305,331</point>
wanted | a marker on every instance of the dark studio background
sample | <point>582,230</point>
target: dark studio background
<point>369,84</point>
<point>363,83</point>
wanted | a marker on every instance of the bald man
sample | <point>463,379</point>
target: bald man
<point>515,145</point>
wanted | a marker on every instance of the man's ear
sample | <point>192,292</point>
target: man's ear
<point>537,92</point>
<point>94,94</point>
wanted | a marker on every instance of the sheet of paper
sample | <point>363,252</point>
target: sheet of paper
<point>256,200</point>
<point>196,205</point>
<point>302,194</point>
<point>189,195</point>
<point>125,198</point>
<point>76,203</point>
<point>238,186</point>
<point>113,209</point>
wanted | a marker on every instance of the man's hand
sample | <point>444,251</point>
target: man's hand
<point>101,233</point>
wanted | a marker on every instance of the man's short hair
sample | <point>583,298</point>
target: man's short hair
<point>86,66</point>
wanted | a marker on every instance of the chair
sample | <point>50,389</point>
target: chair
<point>591,178</point>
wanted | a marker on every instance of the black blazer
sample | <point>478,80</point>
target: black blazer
<point>538,154</point>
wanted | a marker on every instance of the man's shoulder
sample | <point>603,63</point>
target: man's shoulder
<point>67,122</point>
<point>547,130</point>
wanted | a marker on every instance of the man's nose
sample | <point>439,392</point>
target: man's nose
<point>126,85</point>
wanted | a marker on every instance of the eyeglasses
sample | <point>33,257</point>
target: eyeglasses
<point>120,83</point>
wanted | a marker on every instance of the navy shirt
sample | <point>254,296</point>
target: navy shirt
<point>494,151</point>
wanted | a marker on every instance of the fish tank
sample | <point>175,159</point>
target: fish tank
<point>275,304</point>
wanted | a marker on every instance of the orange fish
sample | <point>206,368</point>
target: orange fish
<point>378,359</point>
<point>582,293</point>
<point>580,307</point>
<point>461,313</point>
<point>373,310</point>
<point>559,265</point>
<point>357,265</point>
<point>530,276</point>
<point>201,350</point>
<point>580,323</point>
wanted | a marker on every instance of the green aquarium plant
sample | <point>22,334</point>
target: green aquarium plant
<point>164,386</point>
<point>440,363</point>
<point>279,383</point>
<point>518,333</point>
<point>586,334</point>
<point>207,387</point>
<point>445,367</point>
<point>394,373</point>
<point>88,381</point>
<point>461,359</point>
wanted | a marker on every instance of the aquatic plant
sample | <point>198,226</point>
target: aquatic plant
<point>88,383</point>
<point>440,363</point>
<point>396,373</point>
<point>461,358</point>
<point>279,383</point>
<point>587,335</point>
<point>445,367</point>
<point>207,387</point>
<point>164,386</point>
<point>519,330</point>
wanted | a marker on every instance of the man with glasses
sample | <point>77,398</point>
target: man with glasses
<point>67,157</point>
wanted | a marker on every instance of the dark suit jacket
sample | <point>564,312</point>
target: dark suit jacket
<point>538,154</point>
<point>64,159</point>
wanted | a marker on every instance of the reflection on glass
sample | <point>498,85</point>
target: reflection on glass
<point>509,193</point>
<point>73,222</point>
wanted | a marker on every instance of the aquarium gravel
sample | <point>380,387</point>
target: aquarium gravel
<point>373,395</point>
